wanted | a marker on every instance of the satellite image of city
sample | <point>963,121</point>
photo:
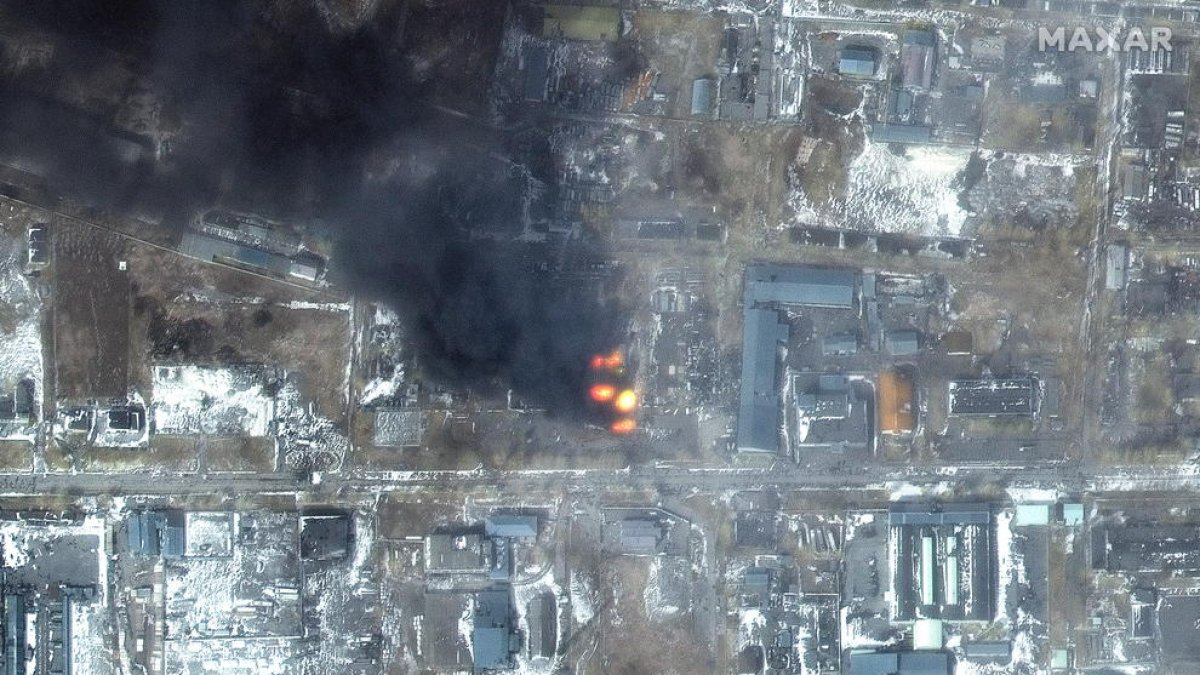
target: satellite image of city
<point>591,337</point>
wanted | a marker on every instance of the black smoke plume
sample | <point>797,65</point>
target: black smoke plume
<point>281,114</point>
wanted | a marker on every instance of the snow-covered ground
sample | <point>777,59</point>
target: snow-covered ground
<point>915,194</point>
<point>212,400</point>
<point>91,635</point>
<point>20,325</point>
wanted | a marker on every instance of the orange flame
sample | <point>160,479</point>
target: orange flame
<point>602,393</point>
<point>624,425</point>
<point>626,401</point>
<point>613,361</point>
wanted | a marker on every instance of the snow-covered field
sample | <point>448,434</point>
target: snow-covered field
<point>915,194</point>
<point>211,400</point>
<point>20,322</point>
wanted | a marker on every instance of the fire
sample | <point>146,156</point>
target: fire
<point>602,393</point>
<point>624,425</point>
<point>614,361</point>
<point>626,401</point>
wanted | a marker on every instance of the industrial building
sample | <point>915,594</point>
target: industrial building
<point>512,526</point>
<point>856,61</point>
<point>990,397</point>
<point>704,93</point>
<point>250,231</point>
<point>768,288</point>
<point>918,54</point>
<point>457,553</point>
<point>1146,548</point>
<point>943,561</point>
<point>864,662</point>
<point>399,427</point>
<point>493,637</point>
<point>833,414</point>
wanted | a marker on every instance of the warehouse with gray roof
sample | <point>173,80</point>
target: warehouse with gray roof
<point>770,287</point>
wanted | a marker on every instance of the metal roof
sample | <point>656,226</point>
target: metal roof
<point>902,342</point>
<point>702,96</point>
<point>796,285</point>
<point>209,249</point>
<point>509,525</point>
<point>988,650</point>
<point>839,343</point>
<point>536,73</point>
<point>923,513</point>
<point>857,61</point>
<point>490,639</point>
<point>758,413</point>
<point>901,133</point>
<point>899,663</point>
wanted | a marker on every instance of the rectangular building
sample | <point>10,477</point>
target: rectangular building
<point>943,562</point>
<point>990,397</point>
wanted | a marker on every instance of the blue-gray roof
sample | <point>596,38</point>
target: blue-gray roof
<point>923,514</point>
<point>208,249</point>
<point>758,413</point>
<point>899,663</point>
<point>902,342</point>
<point>839,343</point>
<point>536,73</point>
<point>508,525</point>
<point>987,650</point>
<point>490,634</point>
<point>174,535</point>
<point>857,61</point>
<point>14,633</point>
<point>702,96</point>
<point>901,133</point>
<point>796,285</point>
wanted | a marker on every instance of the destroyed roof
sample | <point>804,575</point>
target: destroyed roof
<point>456,553</point>
<point>1013,396</point>
<point>399,427</point>
<point>325,536</point>
<point>640,536</point>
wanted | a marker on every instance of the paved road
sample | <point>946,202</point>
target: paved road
<point>668,480</point>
